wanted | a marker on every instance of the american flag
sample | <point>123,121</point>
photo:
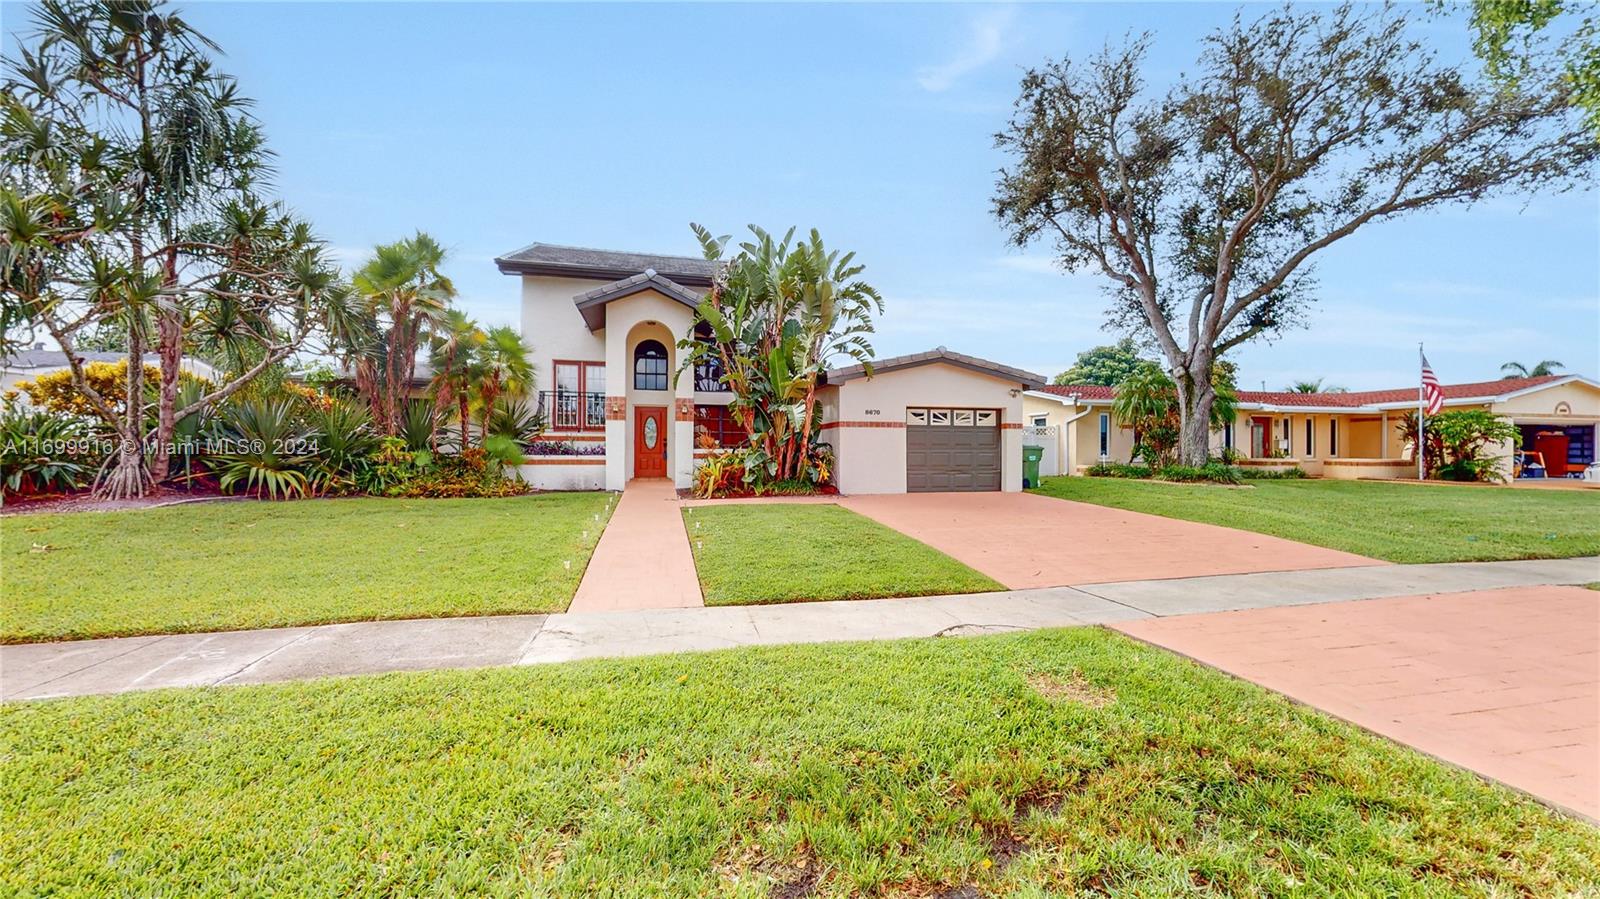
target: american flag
<point>1432,394</point>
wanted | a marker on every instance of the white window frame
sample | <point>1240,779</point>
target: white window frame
<point>1105,435</point>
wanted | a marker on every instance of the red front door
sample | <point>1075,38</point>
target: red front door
<point>649,442</point>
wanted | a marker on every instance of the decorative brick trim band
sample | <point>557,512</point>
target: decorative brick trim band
<point>563,460</point>
<point>616,408</point>
<point>862,424</point>
<point>684,409</point>
<point>568,437</point>
<point>1010,425</point>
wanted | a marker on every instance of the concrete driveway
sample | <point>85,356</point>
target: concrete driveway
<point>1023,540</point>
<point>1504,682</point>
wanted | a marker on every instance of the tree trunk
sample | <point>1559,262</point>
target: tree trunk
<point>127,476</point>
<point>170,348</point>
<point>1195,398</point>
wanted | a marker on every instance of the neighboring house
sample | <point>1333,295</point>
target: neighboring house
<point>25,365</point>
<point>603,327</point>
<point>1338,435</point>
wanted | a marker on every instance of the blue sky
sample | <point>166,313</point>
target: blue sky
<point>493,126</point>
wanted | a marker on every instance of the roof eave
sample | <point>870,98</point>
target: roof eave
<point>588,272</point>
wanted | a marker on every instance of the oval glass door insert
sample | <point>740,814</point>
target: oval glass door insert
<point>650,433</point>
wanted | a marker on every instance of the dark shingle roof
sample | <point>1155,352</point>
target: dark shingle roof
<point>592,303</point>
<point>939,354</point>
<point>608,265</point>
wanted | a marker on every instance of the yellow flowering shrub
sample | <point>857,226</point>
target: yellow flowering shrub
<point>55,391</point>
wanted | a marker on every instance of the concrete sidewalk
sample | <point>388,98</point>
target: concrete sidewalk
<point>85,667</point>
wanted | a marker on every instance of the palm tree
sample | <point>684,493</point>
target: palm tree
<point>455,346</point>
<point>1518,370</point>
<point>1147,402</point>
<point>501,369</point>
<point>403,283</point>
<point>1313,386</point>
<point>778,312</point>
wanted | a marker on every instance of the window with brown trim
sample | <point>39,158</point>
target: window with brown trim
<point>714,427</point>
<point>578,402</point>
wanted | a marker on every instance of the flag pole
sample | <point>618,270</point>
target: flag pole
<point>1422,473</point>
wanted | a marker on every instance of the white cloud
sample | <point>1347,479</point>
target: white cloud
<point>986,37</point>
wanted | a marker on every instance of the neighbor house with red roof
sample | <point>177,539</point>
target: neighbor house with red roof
<point>1336,435</point>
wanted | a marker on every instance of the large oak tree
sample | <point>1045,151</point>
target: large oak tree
<point>1205,204</point>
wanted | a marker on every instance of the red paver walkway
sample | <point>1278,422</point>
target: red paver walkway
<point>643,559</point>
<point>1022,540</point>
<point>1504,682</point>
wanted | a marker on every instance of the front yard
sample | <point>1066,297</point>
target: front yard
<point>1054,762</point>
<point>1395,522</point>
<point>787,552</point>
<point>235,565</point>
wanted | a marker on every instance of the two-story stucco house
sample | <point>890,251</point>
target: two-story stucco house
<point>604,327</point>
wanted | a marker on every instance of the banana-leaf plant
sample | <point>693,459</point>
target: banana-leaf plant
<point>778,312</point>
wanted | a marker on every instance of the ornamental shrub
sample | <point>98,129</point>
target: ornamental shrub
<point>55,392</point>
<point>1211,473</point>
<point>1267,474</point>
<point>1119,470</point>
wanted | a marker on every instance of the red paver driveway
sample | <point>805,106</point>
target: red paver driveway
<point>1504,682</point>
<point>1022,540</point>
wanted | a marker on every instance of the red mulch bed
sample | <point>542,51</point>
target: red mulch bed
<point>828,490</point>
<point>83,502</point>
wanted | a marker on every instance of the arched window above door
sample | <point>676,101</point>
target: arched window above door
<point>649,366</point>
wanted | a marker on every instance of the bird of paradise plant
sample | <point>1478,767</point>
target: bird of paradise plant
<point>777,312</point>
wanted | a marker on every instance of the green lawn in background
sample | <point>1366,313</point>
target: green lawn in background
<point>1072,762</point>
<point>1392,521</point>
<point>789,552</point>
<point>234,565</point>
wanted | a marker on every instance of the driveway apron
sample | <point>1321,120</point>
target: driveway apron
<point>1024,541</point>
<point>1504,682</point>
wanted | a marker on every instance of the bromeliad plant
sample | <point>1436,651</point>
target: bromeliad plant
<point>776,313</point>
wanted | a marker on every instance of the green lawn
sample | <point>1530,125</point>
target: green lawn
<point>775,552</point>
<point>1049,763</point>
<point>221,566</point>
<point>1397,522</point>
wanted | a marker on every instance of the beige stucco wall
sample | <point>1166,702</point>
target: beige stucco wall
<point>868,421</point>
<point>1580,403</point>
<point>552,328</point>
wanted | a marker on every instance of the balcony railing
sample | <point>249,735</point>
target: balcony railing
<point>569,410</point>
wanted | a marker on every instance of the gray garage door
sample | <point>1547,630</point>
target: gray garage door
<point>952,449</point>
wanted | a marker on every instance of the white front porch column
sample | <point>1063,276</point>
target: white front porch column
<point>681,451</point>
<point>618,375</point>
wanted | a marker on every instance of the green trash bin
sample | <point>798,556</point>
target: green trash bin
<point>1031,457</point>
